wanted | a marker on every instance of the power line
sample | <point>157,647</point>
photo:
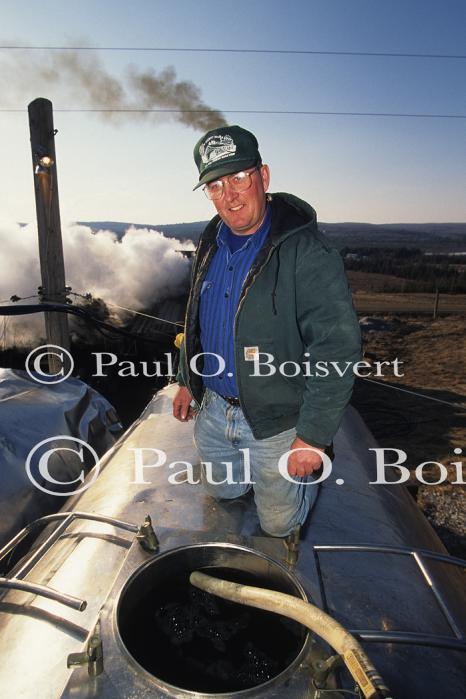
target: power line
<point>177,323</point>
<point>415,393</point>
<point>179,49</point>
<point>88,297</point>
<point>304,112</point>
<point>146,315</point>
<point>102,326</point>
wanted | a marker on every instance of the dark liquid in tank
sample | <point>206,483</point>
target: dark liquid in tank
<point>196,641</point>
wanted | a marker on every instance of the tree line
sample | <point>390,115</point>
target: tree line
<point>421,272</point>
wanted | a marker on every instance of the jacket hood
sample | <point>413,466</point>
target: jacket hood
<point>290,214</point>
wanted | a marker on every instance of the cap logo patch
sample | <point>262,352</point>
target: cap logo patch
<point>217,148</point>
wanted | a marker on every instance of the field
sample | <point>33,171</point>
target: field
<point>433,353</point>
<point>369,296</point>
<point>366,302</point>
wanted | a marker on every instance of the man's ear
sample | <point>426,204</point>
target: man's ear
<point>265,174</point>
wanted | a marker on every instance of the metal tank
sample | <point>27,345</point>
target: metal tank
<point>368,557</point>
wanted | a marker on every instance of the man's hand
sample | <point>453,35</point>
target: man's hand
<point>302,463</point>
<point>182,409</point>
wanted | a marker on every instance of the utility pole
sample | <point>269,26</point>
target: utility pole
<point>52,264</point>
<point>436,300</point>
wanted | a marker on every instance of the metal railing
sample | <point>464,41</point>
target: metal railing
<point>17,581</point>
<point>420,556</point>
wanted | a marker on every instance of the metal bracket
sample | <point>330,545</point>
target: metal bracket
<point>292,546</point>
<point>93,656</point>
<point>147,536</point>
<point>322,669</point>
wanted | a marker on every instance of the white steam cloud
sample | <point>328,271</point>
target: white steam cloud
<point>145,267</point>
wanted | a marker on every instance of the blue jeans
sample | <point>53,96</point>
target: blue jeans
<point>229,451</point>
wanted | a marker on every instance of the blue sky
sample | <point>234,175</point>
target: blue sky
<point>376,169</point>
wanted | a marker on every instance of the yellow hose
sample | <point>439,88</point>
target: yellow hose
<point>356,660</point>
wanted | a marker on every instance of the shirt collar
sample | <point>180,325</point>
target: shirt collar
<point>256,238</point>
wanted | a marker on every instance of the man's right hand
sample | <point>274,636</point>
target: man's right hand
<point>182,408</point>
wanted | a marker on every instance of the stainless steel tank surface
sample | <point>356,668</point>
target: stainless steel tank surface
<point>102,607</point>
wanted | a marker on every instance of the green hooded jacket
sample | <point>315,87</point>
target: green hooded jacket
<point>296,306</point>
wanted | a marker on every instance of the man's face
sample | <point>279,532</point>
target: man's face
<point>243,212</point>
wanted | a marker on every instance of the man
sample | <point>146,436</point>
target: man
<point>268,296</point>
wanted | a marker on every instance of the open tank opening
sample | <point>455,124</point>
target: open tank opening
<point>195,641</point>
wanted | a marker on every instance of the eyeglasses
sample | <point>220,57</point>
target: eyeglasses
<point>239,182</point>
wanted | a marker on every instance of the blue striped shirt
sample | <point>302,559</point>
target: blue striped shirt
<point>220,293</point>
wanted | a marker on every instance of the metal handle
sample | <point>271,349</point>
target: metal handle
<point>44,591</point>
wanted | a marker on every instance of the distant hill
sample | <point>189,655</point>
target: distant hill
<point>445,237</point>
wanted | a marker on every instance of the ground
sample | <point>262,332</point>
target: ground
<point>433,352</point>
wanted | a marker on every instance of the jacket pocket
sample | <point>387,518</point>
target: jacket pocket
<point>267,392</point>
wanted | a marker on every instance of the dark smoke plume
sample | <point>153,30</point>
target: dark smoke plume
<point>82,78</point>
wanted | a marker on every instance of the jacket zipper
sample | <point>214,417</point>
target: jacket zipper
<point>241,301</point>
<point>201,268</point>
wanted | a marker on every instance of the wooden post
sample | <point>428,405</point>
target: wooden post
<point>52,264</point>
<point>436,303</point>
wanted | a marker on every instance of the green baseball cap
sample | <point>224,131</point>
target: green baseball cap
<point>223,151</point>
